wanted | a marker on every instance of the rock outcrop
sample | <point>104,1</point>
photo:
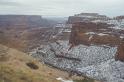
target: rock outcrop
<point>120,52</point>
<point>86,17</point>
<point>88,33</point>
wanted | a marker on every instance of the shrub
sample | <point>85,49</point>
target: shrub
<point>32,65</point>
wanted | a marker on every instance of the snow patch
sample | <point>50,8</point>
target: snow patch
<point>63,80</point>
<point>90,33</point>
<point>93,33</point>
<point>101,34</point>
<point>121,37</point>
<point>90,37</point>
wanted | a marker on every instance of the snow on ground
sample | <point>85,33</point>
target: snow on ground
<point>93,33</point>
<point>93,61</point>
<point>90,33</point>
<point>67,30</point>
<point>117,27</point>
<point>63,80</point>
<point>122,36</point>
<point>90,37</point>
<point>102,34</point>
<point>119,24</point>
<point>109,71</point>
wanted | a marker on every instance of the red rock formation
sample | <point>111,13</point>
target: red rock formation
<point>97,36</point>
<point>86,17</point>
<point>80,29</point>
<point>120,53</point>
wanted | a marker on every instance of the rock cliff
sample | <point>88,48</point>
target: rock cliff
<point>88,33</point>
<point>86,17</point>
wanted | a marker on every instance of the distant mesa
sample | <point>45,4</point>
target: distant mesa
<point>86,17</point>
<point>25,21</point>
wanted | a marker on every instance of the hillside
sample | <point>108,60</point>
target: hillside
<point>90,48</point>
<point>16,66</point>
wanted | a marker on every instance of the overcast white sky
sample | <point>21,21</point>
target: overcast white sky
<point>62,7</point>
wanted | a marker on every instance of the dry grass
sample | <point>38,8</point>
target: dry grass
<point>14,68</point>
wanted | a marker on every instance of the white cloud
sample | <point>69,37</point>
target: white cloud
<point>62,7</point>
<point>9,3</point>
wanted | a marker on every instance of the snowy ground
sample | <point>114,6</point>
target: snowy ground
<point>93,61</point>
<point>63,80</point>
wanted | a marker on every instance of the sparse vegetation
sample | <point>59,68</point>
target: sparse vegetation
<point>8,74</point>
<point>16,66</point>
<point>15,69</point>
<point>3,54</point>
<point>32,65</point>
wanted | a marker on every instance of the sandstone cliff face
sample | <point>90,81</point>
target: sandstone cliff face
<point>93,33</point>
<point>88,33</point>
<point>120,53</point>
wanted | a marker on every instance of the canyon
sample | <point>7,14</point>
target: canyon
<point>24,32</point>
<point>88,44</point>
<point>94,48</point>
